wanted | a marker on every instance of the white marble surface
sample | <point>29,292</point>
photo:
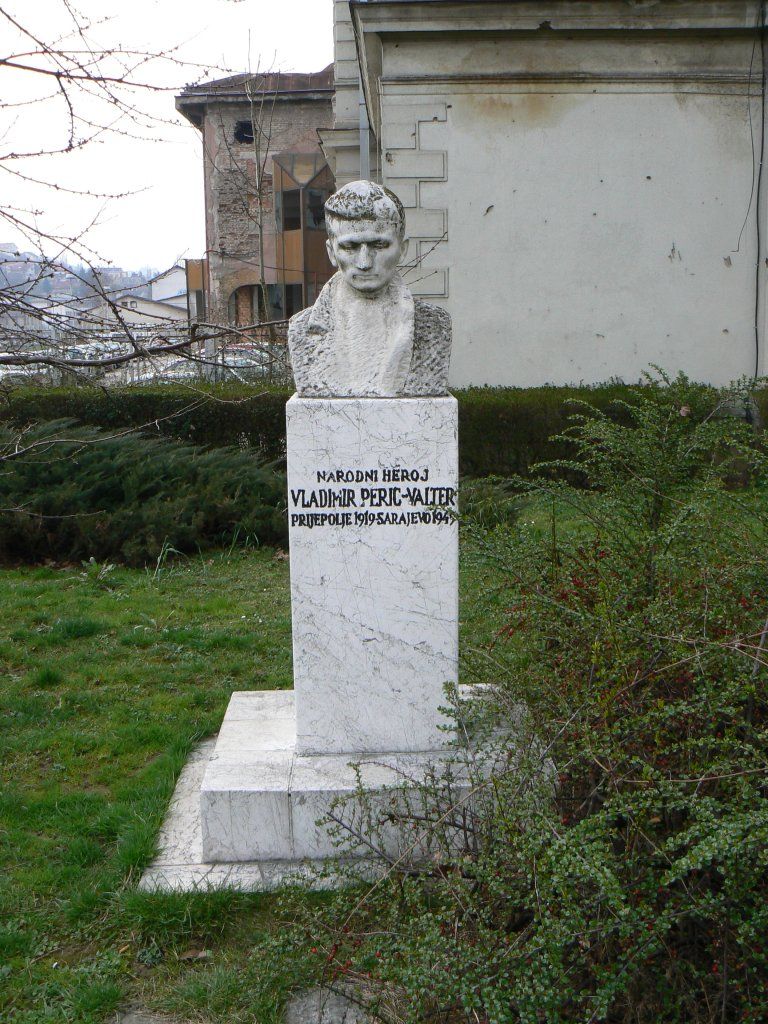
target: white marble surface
<point>180,866</point>
<point>262,802</point>
<point>374,570</point>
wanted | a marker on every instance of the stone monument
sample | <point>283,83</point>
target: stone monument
<point>372,488</point>
<point>366,336</point>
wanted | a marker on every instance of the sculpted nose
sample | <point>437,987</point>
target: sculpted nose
<point>364,258</point>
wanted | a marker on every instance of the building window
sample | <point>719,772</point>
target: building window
<point>289,210</point>
<point>288,204</point>
<point>314,211</point>
<point>285,300</point>
<point>243,131</point>
<point>276,305</point>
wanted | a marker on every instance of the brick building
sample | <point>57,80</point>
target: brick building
<point>266,181</point>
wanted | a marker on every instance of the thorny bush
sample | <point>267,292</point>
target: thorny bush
<point>616,867</point>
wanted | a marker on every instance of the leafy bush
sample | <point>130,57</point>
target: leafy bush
<point>489,501</point>
<point>503,431</point>
<point>214,415</point>
<point>76,493</point>
<point>616,867</point>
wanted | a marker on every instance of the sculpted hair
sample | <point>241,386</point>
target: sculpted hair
<point>365,200</point>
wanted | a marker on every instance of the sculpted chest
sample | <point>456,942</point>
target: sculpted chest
<point>330,362</point>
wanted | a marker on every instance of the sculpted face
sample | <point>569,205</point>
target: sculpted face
<point>367,252</point>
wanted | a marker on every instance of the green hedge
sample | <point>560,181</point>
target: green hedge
<point>502,430</point>
<point>215,416</point>
<point>80,493</point>
<point>505,431</point>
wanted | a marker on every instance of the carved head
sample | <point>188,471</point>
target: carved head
<point>366,235</point>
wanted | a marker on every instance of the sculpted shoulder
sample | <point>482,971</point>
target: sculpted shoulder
<point>307,353</point>
<point>299,321</point>
<point>430,313</point>
<point>431,350</point>
<point>431,326</point>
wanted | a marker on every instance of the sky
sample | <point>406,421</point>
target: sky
<point>156,155</point>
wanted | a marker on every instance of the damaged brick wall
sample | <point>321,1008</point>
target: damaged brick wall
<point>232,198</point>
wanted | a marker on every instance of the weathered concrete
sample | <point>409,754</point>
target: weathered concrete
<point>320,1006</point>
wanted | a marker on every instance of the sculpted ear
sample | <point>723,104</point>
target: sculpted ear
<point>331,255</point>
<point>404,248</point>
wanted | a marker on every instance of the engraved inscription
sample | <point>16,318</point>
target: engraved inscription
<point>384,496</point>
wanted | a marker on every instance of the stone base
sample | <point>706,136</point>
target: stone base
<point>244,810</point>
<point>180,866</point>
<point>260,800</point>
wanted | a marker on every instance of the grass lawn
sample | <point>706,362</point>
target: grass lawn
<point>109,677</point>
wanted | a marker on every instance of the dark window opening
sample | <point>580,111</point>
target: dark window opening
<point>293,301</point>
<point>285,300</point>
<point>276,307</point>
<point>315,209</point>
<point>291,208</point>
<point>243,131</point>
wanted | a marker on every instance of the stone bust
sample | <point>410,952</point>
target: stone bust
<point>366,335</point>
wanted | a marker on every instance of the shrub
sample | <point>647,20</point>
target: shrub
<point>503,431</point>
<point>616,868</point>
<point>211,415</point>
<point>79,493</point>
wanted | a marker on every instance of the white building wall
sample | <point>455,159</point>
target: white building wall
<point>144,313</point>
<point>579,200</point>
<point>169,286</point>
<point>341,144</point>
<point>346,71</point>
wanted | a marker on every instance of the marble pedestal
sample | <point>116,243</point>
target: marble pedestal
<point>261,800</point>
<point>182,866</point>
<point>372,488</point>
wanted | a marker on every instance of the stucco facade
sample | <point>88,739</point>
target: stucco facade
<point>580,179</point>
<point>341,142</point>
